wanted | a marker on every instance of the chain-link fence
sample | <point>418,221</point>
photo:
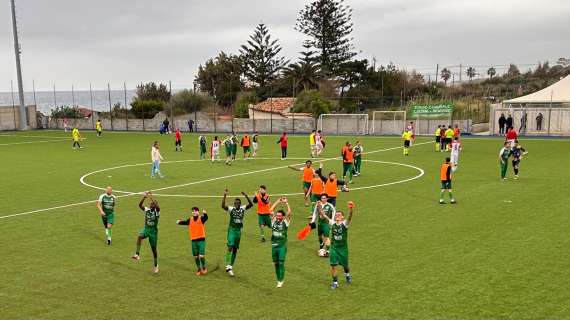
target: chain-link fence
<point>544,121</point>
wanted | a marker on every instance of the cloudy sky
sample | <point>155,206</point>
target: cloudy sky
<point>78,41</point>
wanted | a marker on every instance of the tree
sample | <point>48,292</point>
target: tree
<point>220,78</point>
<point>261,59</point>
<point>146,109</point>
<point>186,101</point>
<point>328,25</point>
<point>564,62</point>
<point>471,73</point>
<point>445,75</point>
<point>311,101</point>
<point>305,73</point>
<point>491,72</point>
<point>513,71</point>
<point>151,91</point>
<point>351,73</point>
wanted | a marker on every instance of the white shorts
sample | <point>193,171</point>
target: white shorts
<point>455,158</point>
<point>319,146</point>
<point>254,144</point>
<point>215,152</point>
<point>511,143</point>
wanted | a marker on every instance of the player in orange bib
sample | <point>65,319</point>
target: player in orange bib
<point>246,145</point>
<point>197,233</point>
<point>445,177</point>
<point>261,198</point>
<point>331,184</point>
<point>308,173</point>
<point>316,189</point>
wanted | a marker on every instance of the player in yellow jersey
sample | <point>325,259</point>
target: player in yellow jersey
<point>99,128</point>
<point>407,136</point>
<point>448,138</point>
<point>76,138</point>
<point>313,144</point>
<point>437,138</point>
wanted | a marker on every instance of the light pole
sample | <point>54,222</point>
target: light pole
<point>23,114</point>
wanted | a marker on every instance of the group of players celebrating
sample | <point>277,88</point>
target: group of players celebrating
<point>331,225</point>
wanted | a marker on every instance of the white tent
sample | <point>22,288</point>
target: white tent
<point>558,92</point>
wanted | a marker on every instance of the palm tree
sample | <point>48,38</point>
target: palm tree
<point>471,73</point>
<point>445,75</point>
<point>305,73</point>
<point>491,72</point>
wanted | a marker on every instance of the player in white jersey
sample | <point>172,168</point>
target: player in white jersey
<point>215,149</point>
<point>318,143</point>
<point>455,149</point>
<point>156,158</point>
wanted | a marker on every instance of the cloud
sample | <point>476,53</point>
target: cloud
<point>80,41</point>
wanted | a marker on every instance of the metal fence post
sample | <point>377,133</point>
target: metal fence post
<point>110,107</point>
<point>126,110</point>
<point>91,104</point>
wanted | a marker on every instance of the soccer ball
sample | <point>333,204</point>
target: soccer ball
<point>323,253</point>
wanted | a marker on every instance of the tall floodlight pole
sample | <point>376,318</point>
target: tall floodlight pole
<point>23,114</point>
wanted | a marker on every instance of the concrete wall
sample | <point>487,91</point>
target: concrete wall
<point>203,122</point>
<point>10,117</point>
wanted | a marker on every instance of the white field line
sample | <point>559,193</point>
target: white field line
<point>186,184</point>
<point>30,142</point>
<point>27,136</point>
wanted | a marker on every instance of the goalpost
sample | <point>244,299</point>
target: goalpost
<point>350,124</point>
<point>388,122</point>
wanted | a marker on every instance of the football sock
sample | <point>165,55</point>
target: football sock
<point>335,279</point>
<point>441,195</point>
<point>277,271</point>
<point>109,233</point>
<point>321,243</point>
<point>197,260</point>
<point>138,248</point>
<point>516,171</point>
<point>281,274</point>
<point>233,257</point>
<point>155,256</point>
<point>261,232</point>
<point>436,146</point>
<point>203,262</point>
<point>228,258</point>
<point>450,195</point>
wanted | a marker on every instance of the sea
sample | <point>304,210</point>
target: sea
<point>48,100</point>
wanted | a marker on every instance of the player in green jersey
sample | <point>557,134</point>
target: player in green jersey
<point>322,226</point>
<point>339,245</point>
<point>280,221</point>
<point>228,147</point>
<point>106,206</point>
<point>150,229</point>
<point>504,155</point>
<point>237,213</point>
<point>235,142</point>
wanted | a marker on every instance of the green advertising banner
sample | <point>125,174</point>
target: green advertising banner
<point>432,110</point>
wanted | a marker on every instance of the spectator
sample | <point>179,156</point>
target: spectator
<point>502,122</point>
<point>522,129</point>
<point>190,125</point>
<point>166,125</point>
<point>509,122</point>
<point>539,122</point>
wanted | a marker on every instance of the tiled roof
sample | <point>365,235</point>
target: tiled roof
<point>275,105</point>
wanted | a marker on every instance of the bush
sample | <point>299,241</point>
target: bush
<point>146,109</point>
<point>244,99</point>
<point>311,101</point>
<point>66,112</point>
<point>187,101</point>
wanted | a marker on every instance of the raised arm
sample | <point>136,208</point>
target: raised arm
<point>350,209</point>
<point>249,203</point>
<point>141,203</point>
<point>294,168</point>
<point>224,200</point>
<point>288,212</point>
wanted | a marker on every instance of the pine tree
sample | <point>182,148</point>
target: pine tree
<point>328,25</point>
<point>260,55</point>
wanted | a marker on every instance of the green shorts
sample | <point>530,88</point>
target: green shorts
<point>202,149</point>
<point>109,218</point>
<point>323,229</point>
<point>278,252</point>
<point>264,219</point>
<point>339,256</point>
<point>446,184</point>
<point>306,185</point>
<point>228,151</point>
<point>246,149</point>
<point>151,234</point>
<point>234,237</point>
<point>234,149</point>
<point>199,248</point>
<point>315,197</point>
